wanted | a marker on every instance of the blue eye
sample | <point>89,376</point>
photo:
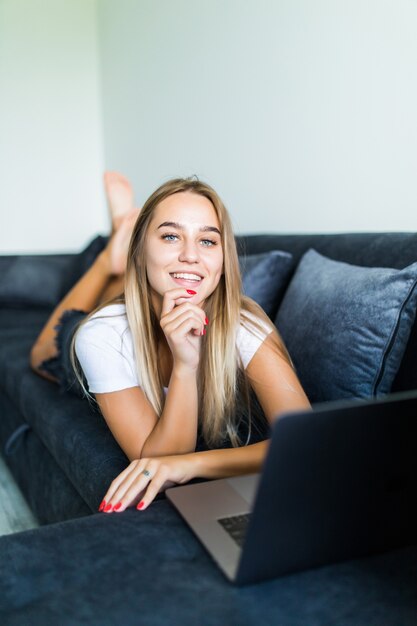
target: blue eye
<point>169,237</point>
<point>207,243</point>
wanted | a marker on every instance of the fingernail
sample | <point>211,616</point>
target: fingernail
<point>102,505</point>
<point>191,292</point>
<point>204,331</point>
<point>206,321</point>
<point>107,508</point>
<point>140,505</point>
<point>117,506</point>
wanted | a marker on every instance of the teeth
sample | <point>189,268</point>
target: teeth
<point>187,276</point>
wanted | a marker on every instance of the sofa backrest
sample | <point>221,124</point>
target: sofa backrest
<point>395,250</point>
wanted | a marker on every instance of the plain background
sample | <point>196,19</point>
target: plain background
<point>301,113</point>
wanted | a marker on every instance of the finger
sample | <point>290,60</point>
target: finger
<point>127,492</point>
<point>172,296</point>
<point>183,328</point>
<point>116,483</point>
<point>172,322</point>
<point>173,319</point>
<point>153,489</point>
<point>135,490</point>
<point>179,310</point>
<point>131,496</point>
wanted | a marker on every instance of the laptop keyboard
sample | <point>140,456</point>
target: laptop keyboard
<point>236,526</point>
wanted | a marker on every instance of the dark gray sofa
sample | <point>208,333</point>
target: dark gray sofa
<point>132,568</point>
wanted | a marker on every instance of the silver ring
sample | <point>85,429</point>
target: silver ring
<point>146,472</point>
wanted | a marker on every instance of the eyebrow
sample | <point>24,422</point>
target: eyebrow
<point>203,229</point>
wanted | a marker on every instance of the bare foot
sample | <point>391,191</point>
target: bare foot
<point>118,246</point>
<point>119,197</point>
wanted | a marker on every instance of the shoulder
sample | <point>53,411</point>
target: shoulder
<point>104,348</point>
<point>108,324</point>
<point>107,329</point>
<point>252,332</point>
<point>113,314</point>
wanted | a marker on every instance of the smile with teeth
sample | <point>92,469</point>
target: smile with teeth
<point>186,276</point>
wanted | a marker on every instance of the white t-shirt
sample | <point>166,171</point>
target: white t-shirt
<point>104,348</point>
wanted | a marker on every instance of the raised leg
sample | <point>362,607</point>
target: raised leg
<point>104,280</point>
<point>119,194</point>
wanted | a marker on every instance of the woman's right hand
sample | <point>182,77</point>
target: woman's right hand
<point>144,478</point>
<point>183,325</point>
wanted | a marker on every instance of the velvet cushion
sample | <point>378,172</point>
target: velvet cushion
<point>265,277</point>
<point>346,327</point>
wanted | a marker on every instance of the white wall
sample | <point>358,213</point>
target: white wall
<point>51,154</point>
<point>302,114</point>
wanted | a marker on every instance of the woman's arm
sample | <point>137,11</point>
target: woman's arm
<point>129,414</point>
<point>175,432</point>
<point>277,388</point>
<point>143,479</point>
<point>274,381</point>
<point>138,430</point>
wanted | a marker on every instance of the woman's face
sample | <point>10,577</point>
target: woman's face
<point>183,248</point>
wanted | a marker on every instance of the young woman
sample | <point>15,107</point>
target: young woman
<point>172,362</point>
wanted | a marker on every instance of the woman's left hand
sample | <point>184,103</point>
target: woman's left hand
<point>143,479</point>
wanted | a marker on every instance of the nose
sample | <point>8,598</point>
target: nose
<point>189,252</point>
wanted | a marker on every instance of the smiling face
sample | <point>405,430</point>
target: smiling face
<point>183,247</point>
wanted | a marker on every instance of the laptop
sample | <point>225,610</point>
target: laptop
<point>339,482</point>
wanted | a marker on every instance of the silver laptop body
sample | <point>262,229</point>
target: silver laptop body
<point>338,482</point>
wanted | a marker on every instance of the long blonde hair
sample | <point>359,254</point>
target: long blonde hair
<point>221,375</point>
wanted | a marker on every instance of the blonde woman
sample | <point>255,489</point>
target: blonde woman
<point>172,363</point>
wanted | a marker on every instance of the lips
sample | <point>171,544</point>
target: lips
<point>186,278</point>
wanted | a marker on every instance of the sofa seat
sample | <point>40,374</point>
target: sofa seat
<point>148,568</point>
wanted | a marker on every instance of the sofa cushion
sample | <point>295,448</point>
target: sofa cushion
<point>346,327</point>
<point>148,568</point>
<point>265,278</point>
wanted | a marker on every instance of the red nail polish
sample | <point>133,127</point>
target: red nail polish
<point>140,505</point>
<point>102,505</point>
<point>117,506</point>
<point>206,321</point>
<point>107,508</point>
<point>204,331</point>
<point>191,292</point>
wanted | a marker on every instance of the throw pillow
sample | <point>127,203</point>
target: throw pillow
<point>265,277</point>
<point>346,327</point>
